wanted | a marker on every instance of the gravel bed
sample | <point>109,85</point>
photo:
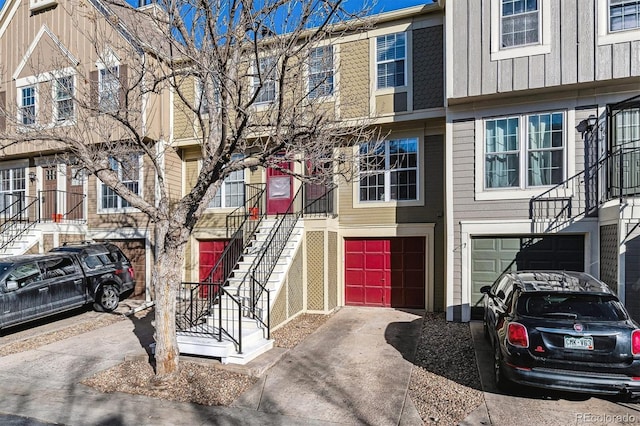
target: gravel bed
<point>445,385</point>
<point>292,333</point>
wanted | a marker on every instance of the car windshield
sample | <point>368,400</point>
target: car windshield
<point>571,306</point>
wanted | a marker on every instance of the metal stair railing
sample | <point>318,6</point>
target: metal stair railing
<point>254,305</point>
<point>265,262</point>
<point>581,194</point>
<point>20,213</point>
<point>195,300</point>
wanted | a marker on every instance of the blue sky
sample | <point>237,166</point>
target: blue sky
<point>381,6</point>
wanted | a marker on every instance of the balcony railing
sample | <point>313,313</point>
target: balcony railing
<point>61,206</point>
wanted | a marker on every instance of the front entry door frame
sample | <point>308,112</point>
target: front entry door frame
<point>279,189</point>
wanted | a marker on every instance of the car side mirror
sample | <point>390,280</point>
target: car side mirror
<point>486,289</point>
<point>12,285</point>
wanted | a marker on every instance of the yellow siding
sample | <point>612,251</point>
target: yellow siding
<point>354,79</point>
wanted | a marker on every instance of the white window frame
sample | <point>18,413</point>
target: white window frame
<point>605,35</point>
<point>119,208</point>
<point>331,71</point>
<point>542,47</point>
<point>113,71</point>
<point>388,202</point>
<point>222,191</point>
<point>21,107</point>
<point>523,191</point>
<point>404,58</point>
<point>70,97</point>
<point>12,169</point>
<point>268,78</point>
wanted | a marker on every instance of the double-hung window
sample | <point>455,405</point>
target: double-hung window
<point>321,72</point>
<point>128,168</point>
<point>524,151</point>
<point>264,80</point>
<point>13,189</point>
<point>231,192</point>
<point>28,105</point>
<point>64,98</point>
<point>391,54</point>
<point>109,88</point>
<point>519,22</point>
<point>389,170</point>
<point>624,15</point>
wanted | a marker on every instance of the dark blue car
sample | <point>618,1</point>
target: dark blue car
<point>561,330</point>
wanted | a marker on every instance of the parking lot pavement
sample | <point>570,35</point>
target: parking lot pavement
<point>62,321</point>
<point>527,406</point>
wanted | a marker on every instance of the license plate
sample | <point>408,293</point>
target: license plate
<point>578,342</point>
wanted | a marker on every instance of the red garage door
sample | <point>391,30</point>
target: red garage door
<point>210,252</point>
<point>385,272</point>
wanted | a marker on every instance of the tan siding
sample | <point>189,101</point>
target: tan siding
<point>354,79</point>
<point>173,174</point>
<point>183,118</point>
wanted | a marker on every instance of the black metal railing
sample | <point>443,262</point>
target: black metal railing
<point>252,298</point>
<point>319,200</point>
<point>61,206</point>
<point>254,284</point>
<point>19,213</point>
<point>196,300</point>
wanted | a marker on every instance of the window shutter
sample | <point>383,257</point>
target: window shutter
<point>124,86</point>
<point>93,90</point>
<point>3,117</point>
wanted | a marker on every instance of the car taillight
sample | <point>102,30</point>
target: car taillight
<point>131,272</point>
<point>517,335</point>
<point>635,342</point>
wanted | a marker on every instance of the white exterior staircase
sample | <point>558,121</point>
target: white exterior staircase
<point>254,339</point>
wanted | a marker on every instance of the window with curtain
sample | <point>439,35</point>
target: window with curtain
<point>524,151</point>
<point>624,15</point>
<point>519,22</point>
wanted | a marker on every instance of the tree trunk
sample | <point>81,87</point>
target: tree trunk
<point>167,276</point>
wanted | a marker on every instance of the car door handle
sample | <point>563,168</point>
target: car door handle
<point>77,281</point>
<point>43,289</point>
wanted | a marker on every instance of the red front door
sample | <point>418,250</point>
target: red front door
<point>210,252</point>
<point>387,272</point>
<point>279,189</point>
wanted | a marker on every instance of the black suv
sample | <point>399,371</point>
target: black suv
<point>37,285</point>
<point>561,330</point>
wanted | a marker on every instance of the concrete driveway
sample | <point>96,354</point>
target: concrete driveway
<point>539,407</point>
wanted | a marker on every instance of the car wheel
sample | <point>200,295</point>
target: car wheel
<point>501,381</point>
<point>107,299</point>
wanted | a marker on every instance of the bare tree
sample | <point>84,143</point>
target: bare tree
<point>251,64</point>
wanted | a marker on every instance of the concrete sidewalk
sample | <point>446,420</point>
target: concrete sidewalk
<point>354,369</point>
